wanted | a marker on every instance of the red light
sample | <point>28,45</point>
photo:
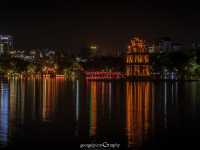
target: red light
<point>103,75</point>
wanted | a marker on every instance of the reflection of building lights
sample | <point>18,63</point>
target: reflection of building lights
<point>138,108</point>
<point>22,99</point>
<point>4,112</point>
<point>13,84</point>
<point>110,98</point>
<point>165,104</point>
<point>93,109</point>
<point>48,98</point>
<point>77,100</point>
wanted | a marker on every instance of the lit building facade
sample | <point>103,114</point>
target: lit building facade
<point>6,43</point>
<point>137,59</point>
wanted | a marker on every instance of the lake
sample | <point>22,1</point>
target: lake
<point>52,112</point>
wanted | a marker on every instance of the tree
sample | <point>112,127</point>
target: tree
<point>31,69</point>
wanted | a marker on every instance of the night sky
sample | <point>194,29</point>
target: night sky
<point>69,25</point>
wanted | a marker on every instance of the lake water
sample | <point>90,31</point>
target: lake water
<point>137,115</point>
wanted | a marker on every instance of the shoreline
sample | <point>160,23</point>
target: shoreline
<point>108,79</point>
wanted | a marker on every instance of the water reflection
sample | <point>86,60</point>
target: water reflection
<point>135,111</point>
<point>139,100</point>
<point>77,100</point>
<point>4,110</point>
<point>166,105</point>
<point>48,98</point>
<point>93,109</point>
<point>106,108</point>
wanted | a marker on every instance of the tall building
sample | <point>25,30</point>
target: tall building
<point>89,51</point>
<point>153,48</point>
<point>165,44</point>
<point>6,43</point>
<point>93,50</point>
<point>137,59</point>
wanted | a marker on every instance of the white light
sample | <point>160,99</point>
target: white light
<point>4,38</point>
<point>93,47</point>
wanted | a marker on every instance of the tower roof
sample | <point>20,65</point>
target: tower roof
<point>136,45</point>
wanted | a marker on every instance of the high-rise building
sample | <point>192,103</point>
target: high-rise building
<point>6,43</point>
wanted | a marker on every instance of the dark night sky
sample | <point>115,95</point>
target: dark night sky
<point>66,24</point>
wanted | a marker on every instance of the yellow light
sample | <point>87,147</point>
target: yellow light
<point>93,47</point>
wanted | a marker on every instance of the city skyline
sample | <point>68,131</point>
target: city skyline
<point>72,24</point>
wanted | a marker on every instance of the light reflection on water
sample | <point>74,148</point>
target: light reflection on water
<point>93,109</point>
<point>135,111</point>
<point>4,116</point>
<point>139,96</point>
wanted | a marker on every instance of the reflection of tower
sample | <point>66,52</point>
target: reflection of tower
<point>138,112</point>
<point>93,109</point>
<point>137,59</point>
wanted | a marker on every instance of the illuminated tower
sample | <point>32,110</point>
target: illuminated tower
<point>137,59</point>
